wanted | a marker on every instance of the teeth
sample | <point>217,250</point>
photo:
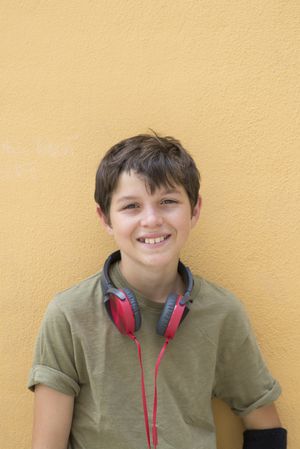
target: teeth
<point>157,240</point>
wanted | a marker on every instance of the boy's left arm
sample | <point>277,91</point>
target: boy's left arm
<point>263,429</point>
<point>262,418</point>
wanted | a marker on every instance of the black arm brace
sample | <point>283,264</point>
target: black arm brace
<point>265,438</point>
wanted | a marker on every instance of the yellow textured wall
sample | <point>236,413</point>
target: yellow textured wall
<point>78,76</point>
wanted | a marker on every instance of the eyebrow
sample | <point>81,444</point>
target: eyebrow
<point>127,198</point>
<point>167,191</point>
<point>134,198</point>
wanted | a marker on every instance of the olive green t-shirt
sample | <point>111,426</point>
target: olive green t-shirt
<point>80,352</point>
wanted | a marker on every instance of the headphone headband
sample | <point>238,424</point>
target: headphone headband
<point>108,288</point>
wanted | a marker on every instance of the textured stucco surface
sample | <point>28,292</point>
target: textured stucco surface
<point>223,77</point>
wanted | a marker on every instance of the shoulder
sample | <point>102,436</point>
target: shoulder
<point>79,300</point>
<point>215,297</point>
<point>220,312</point>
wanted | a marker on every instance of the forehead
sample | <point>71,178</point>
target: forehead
<point>133,184</point>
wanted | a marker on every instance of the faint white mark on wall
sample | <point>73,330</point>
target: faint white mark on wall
<point>25,170</point>
<point>56,149</point>
<point>13,165</point>
<point>22,161</point>
<point>17,171</point>
<point>7,148</point>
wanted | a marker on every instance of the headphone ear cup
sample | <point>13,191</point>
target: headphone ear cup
<point>166,314</point>
<point>135,308</point>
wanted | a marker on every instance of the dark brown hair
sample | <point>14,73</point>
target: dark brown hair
<point>161,161</point>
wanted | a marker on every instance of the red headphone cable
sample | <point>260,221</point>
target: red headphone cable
<point>133,337</point>
<point>158,361</point>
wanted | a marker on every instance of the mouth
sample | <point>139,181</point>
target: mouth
<point>154,241</point>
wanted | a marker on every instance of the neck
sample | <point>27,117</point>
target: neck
<point>154,284</point>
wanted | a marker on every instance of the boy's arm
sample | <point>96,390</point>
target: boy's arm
<point>262,418</point>
<point>53,413</point>
<point>263,429</point>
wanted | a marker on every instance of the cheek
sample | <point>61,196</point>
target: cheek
<point>183,230</point>
<point>184,220</point>
<point>121,227</point>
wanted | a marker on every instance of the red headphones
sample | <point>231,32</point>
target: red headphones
<point>123,308</point>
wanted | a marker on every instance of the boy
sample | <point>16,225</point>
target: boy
<point>86,372</point>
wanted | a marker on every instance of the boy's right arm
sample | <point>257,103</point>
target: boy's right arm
<point>53,412</point>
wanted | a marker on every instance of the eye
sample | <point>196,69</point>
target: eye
<point>130,206</point>
<point>169,201</point>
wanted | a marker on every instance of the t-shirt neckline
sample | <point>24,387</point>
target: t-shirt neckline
<point>121,282</point>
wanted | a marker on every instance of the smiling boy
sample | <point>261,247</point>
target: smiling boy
<point>86,373</point>
<point>150,230</point>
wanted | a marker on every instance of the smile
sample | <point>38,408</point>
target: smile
<point>152,241</point>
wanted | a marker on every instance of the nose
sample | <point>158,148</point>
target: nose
<point>151,218</point>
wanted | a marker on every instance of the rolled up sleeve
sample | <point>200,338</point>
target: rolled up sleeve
<point>242,378</point>
<point>54,361</point>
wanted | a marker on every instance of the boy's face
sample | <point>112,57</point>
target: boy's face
<point>149,229</point>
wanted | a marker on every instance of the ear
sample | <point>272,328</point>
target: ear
<point>104,220</point>
<point>196,212</point>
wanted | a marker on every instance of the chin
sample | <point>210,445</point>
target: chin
<point>159,260</point>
